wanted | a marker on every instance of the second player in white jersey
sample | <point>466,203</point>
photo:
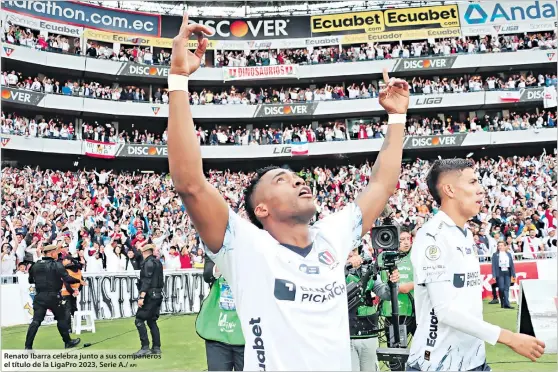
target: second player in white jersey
<point>451,332</point>
<point>444,253</point>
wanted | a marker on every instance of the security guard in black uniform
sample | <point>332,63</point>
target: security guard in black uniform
<point>150,299</point>
<point>48,275</point>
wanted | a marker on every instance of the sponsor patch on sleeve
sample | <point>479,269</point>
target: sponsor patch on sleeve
<point>433,252</point>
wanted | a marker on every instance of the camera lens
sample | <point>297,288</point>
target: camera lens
<point>385,239</point>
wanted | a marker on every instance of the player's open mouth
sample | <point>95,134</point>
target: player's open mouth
<point>305,192</point>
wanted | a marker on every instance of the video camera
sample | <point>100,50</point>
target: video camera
<point>385,240</point>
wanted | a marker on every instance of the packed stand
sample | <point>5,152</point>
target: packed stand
<point>19,35</point>
<point>254,96</point>
<point>380,51</point>
<point>102,218</point>
<point>56,128</point>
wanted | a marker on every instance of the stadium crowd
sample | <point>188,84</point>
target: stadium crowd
<point>56,128</point>
<point>102,218</point>
<point>14,34</point>
<point>246,96</point>
<point>376,51</point>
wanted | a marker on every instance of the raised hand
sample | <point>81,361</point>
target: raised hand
<point>184,62</point>
<point>394,96</point>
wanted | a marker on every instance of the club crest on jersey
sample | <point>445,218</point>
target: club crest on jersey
<point>433,252</point>
<point>328,259</point>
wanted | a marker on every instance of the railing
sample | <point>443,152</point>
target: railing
<point>424,54</point>
<point>14,279</point>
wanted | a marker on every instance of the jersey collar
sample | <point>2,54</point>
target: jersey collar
<point>298,250</point>
<point>449,222</point>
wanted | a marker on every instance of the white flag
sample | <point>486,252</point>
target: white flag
<point>549,97</point>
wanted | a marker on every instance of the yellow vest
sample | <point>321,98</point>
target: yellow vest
<point>75,286</point>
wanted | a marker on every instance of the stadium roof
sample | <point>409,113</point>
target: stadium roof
<point>257,8</point>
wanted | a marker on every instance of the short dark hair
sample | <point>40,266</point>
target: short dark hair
<point>250,191</point>
<point>443,166</point>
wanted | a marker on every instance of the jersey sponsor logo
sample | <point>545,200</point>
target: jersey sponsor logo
<point>433,252</point>
<point>309,269</point>
<point>258,342</point>
<point>465,250</point>
<point>326,258</point>
<point>470,279</point>
<point>433,331</point>
<point>285,290</point>
<point>323,294</point>
<point>432,236</point>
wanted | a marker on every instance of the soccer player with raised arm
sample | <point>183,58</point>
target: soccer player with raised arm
<point>451,332</point>
<point>287,277</point>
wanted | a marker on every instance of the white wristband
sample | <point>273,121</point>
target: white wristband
<point>397,118</point>
<point>178,82</point>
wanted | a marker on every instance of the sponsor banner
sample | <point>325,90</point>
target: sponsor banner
<point>432,63</point>
<point>244,28</point>
<point>513,28</point>
<point>260,72</point>
<point>96,149</point>
<point>380,21</point>
<point>523,270</point>
<point>157,42</point>
<point>402,35</point>
<point>372,21</point>
<point>531,94</point>
<point>277,44</point>
<point>142,151</point>
<point>452,140</point>
<point>488,139</point>
<point>89,16</point>
<point>26,97</point>
<point>508,14</point>
<point>135,69</point>
<point>42,25</point>
<point>288,109</point>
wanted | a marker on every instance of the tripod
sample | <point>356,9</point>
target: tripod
<point>396,353</point>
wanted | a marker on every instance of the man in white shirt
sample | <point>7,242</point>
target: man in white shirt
<point>451,332</point>
<point>287,277</point>
<point>532,246</point>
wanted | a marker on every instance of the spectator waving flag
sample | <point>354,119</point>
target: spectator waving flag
<point>299,148</point>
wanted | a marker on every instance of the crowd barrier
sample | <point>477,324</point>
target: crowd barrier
<point>114,295</point>
<point>147,151</point>
<point>440,63</point>
<point>108,295</point>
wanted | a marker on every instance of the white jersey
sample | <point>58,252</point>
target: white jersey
<point>442,252</point>
<point>530,247</point>
<point>292,303</point>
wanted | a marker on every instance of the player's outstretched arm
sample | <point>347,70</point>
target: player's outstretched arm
<point>205,206</point>
<point>394,97</point>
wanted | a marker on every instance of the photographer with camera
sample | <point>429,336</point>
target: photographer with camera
<point>362,287</point>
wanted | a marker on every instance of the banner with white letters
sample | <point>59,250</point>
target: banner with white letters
<point>96,149</point>
<point>260,72</point>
